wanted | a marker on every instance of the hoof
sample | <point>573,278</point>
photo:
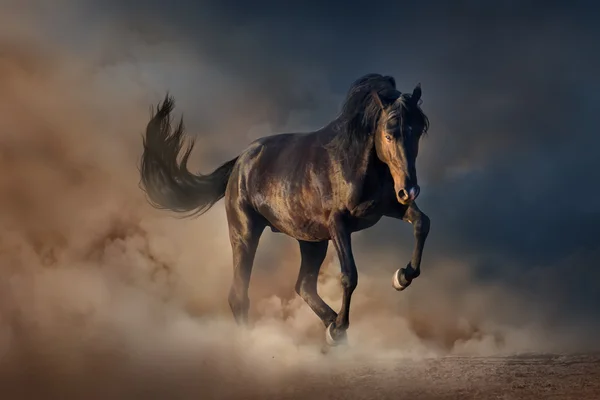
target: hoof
<point>332,339</point>
<point>399,282</point>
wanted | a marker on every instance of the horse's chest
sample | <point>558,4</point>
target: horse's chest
<point>365,214</point>
<point>360,224</point>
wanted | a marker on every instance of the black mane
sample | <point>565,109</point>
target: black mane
<point>360,115</point>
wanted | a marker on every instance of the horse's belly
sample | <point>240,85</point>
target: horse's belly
<point>294,224</point>
<point>317,232</point>
<point>310,232</point>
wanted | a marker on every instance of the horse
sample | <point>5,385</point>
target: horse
<point>315,187</point>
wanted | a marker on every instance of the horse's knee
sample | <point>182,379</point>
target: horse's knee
<point>300,285</point>
<point>306,285</point>
<point>307,293</point>
<point>302,292</point>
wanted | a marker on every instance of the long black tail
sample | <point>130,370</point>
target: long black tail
<point>167,182</point>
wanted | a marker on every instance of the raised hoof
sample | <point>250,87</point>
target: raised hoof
<point>399,282</point>
<point>332,338</point>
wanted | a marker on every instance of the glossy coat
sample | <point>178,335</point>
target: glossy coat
<point>315,187</point>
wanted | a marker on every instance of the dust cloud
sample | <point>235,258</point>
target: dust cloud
<point>102,296</point>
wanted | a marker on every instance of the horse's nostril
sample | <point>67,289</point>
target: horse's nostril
<point>409,194</point>
<point>414,192</point>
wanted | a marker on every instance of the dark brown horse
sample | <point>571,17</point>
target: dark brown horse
<point>315,187</point>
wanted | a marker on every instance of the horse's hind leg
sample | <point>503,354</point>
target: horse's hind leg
<point>245,229</point>
<point>313,254</point>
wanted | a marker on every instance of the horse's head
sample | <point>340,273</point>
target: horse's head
<point>397,137</point>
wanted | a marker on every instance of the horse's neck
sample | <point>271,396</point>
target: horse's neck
<point>366,163</point>
<point>362,174</point>
<point>374,171</point>
<point>356,167</point>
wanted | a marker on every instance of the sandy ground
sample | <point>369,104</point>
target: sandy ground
<point>518,377</point>
<point>523,377</point>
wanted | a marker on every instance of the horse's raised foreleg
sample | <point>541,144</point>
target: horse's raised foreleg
<point>313,254</point>
<point>404,276</point>
<point>340,236</point>
<point>245,229</point>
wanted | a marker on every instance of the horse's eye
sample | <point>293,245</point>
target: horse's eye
<point>388,138</point>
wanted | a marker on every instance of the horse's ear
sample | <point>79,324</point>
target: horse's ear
<point>377,99</point>
<point>416,94</point>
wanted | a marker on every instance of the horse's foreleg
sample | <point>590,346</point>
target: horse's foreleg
<point>313,254</point>
<point>340,236</point>
<point>404,276</point>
